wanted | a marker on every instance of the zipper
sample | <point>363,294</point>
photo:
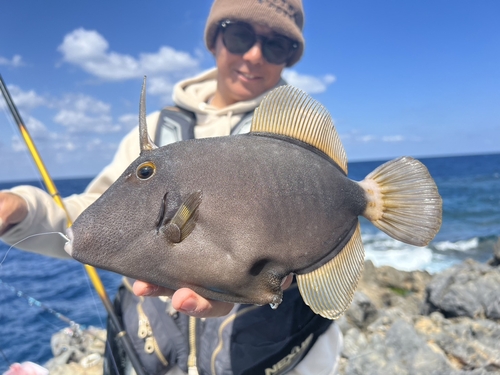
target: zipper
<point>145,332</point>
<point>228,320</point>
<point>192,369</point>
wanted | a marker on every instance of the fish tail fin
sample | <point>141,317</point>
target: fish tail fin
<point>403,201</point>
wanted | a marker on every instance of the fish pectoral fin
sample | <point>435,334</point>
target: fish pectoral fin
<point>329,289</point>
<point>184,220</point>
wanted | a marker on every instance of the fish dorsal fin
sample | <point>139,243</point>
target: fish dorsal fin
<point>329,289</point>
<point>184,220</point>
<point>289,111</point>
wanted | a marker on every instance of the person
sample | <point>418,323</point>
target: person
<point>252,42</point>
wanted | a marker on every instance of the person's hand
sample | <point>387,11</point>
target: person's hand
<point>185,300</point>
<point>13,210</point>
<point>189,302</point>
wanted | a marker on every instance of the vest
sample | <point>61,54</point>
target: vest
<point>250,340</point>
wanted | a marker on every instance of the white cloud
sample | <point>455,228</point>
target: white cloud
<point>355,136</point>
<point>25,99</point>
<point>82,113</point>
<point>393,138</point>
<point>366,138</point>
<point>310,84</point>
<point>161,86</point>
<point>17,144</point>
<point>90,51</point>
<point>129,120</point>
<point>15,62</point>
<point>35,126</point>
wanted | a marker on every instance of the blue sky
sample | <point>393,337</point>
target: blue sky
<point>419,78</point>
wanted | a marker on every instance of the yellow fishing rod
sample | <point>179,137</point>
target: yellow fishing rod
<point>91,271</point>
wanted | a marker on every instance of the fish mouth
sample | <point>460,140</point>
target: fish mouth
<point>68,246</point>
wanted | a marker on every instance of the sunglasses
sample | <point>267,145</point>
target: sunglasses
<point>238,37</point>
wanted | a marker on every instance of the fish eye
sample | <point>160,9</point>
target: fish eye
<point>146,170</point>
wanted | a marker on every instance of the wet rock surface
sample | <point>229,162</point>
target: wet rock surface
<point>416,323</point>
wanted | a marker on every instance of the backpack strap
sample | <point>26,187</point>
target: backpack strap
<point>244,125</point>
<point>174,124</point>
<point>177,124</point>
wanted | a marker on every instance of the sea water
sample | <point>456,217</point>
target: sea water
<point>469,185</point>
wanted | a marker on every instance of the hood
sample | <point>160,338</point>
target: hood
<point>194,93</point>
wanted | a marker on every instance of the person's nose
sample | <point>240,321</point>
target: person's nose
<point>254,54</point>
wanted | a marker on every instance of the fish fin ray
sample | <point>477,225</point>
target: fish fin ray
<point>403,201</point>
<point>145,140</point>
<point>184,220</point>
<point>289,111</point>
<point>329,289</point>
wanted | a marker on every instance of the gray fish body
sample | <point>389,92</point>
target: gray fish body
<point>269,207</point>
<point>231,217</point>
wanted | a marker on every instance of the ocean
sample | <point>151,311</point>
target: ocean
<point>469,185</point>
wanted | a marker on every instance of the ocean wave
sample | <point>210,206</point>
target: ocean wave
<point>464,245</point>
<point>383,250</point>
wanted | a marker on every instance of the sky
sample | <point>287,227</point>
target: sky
<point>418,78</point>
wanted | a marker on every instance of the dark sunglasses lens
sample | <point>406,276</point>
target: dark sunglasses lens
<point>277,49</point>
<point>238,38</point>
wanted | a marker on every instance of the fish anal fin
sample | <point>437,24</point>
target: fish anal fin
<point>184,220</point>
<point>403,201</point>
<point>329,289</point>
<point>289,111</point>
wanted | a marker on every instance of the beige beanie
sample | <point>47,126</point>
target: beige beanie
<point>285,17</point>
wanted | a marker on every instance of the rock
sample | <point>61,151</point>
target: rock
<point>354,342</point>
<point>77,351</point>
<point>362,311</point>
<point>469,289</point>
<point>414,323</point>
<point>401,351</point>
<point>495,262</point>
<point>468,344</point>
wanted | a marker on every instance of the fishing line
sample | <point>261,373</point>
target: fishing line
<point>34,302</point>
<point>76,328</point>
<point>5,357</point>
<point>33,235</point>
<point>95,303</point>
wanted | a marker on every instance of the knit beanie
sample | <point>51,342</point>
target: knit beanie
<point>284,17</point>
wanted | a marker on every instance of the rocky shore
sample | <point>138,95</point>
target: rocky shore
<point>412,323</point>
<point>400,323</point>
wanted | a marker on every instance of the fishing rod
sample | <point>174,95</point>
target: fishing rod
<point>34,302</point>
<point>91,271</point>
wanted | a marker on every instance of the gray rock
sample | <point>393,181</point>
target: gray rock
<point>402,351</point>
<point>362,310</point>
<point>469,289</point>
<point>495,262</point>
<point>354,342</point>
<point>446,324</point>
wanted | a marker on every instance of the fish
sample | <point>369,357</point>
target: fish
<point>231,217</point>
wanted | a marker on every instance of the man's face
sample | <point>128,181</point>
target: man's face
<point>243,77</point>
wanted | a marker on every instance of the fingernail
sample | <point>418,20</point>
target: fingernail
<point>189,305</point>
<point>151,290</point>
